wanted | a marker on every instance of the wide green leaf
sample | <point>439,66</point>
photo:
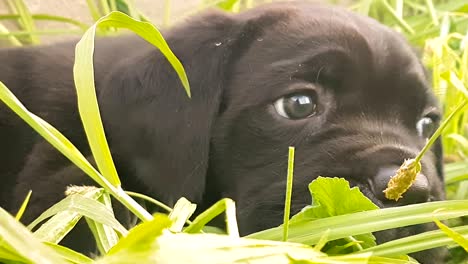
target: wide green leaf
<point>333,197</point>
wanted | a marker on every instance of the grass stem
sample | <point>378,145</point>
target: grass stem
<point>287,202</point>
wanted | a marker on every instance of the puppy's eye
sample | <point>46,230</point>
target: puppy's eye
<point>297,106</point>
<point>426,126</point>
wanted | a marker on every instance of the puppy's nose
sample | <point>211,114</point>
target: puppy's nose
<point>417,193</point>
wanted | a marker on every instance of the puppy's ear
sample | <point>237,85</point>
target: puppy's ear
<point>159,137</point>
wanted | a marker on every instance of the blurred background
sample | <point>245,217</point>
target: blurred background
<point>31,21</point>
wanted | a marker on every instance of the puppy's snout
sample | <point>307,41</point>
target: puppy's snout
<point>417,193</point>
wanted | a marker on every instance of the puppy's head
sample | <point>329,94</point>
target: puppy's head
<point>347,92</point>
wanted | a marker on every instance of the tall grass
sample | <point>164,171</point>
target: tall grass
<point>438,28</point>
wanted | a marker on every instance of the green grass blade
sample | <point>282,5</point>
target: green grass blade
<point>441,128</point>
<point>87,104</point>
<point>401,22</point>
<point>56,228</point>
<point>62,19</point>
<point>231,220</point>
<point>322,241</point>
<point>63,205</point>
<point>364,7</point>
<point>229,5</point>
<point>113,5</point>
<point>12,39</point>
<point>287,202</point>
<point>73,206</point>
<point>54,137</point>
<point>462,192</point>
<point>51,32</point>
<point>416,243</point>
<point>23,206</point>
<point>104,6</point>
<point>63,220</point>
<point>181,213</point>
<point>151,34</point>
<point>132,10</point>
<point>109,237</point>
<point>84,81</point>
<point>210,248</point>
<point>455,172</point>
<point>93,10</point>
<point>26,19</point>
<point>151,200</point>
<point>104,235</point>
<point>24,244</point>
<point>399,4</point>
<point>142,236</point>
<point>218,208</point>
<point>376,220</point>
<point>167,13</point>
<point>69,255</point>
<point>7,256</point>
<point>445,26</point>
<point>454,235</point>
<point>98,235</point>
<point>432,11</point>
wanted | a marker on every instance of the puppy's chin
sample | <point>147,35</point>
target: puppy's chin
<point>430,256</point>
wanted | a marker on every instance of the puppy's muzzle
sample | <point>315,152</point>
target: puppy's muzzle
<point>417,193</point>
<point>386,158</point>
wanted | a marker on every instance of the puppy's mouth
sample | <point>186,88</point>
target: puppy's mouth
<point>431,256</point>
<point>419,192</point>
<point>371,167</point>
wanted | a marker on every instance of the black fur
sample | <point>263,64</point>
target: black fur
<point>228,141</point>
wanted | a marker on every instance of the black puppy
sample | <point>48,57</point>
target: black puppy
<point>347,92</point>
